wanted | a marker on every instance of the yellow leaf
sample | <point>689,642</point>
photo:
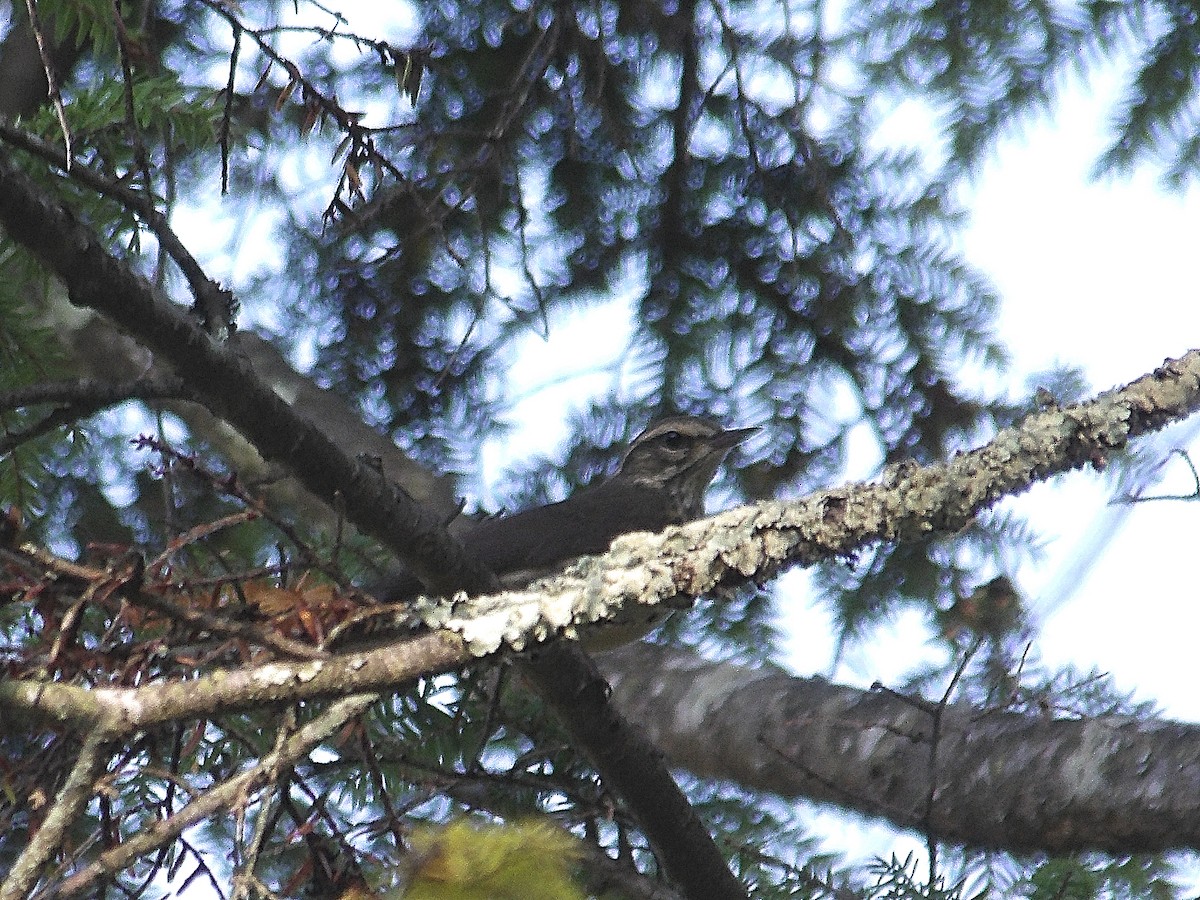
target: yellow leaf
<point>528,860</point>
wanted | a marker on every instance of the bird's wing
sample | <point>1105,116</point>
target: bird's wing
<point>539,541</point>
<point>547,537</point>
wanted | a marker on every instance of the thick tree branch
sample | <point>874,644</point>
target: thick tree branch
<point>1003,780</point>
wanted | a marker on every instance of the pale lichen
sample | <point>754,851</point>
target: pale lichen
<point>282,675</point>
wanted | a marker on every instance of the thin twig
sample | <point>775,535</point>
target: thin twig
<point>227,110</point>
<point>1131,497</point>
<point>74,796</point>
<point>214,799</point>
<point>256,634</point>
<point>57,419</point>
<point>79,400</point>
<point>244,878</point>
<point>131,126</point>
<point>231,486</point>
<point>190,615</point>
<point>52,90</point>
<point>347,121</point>
<point>935,739</point>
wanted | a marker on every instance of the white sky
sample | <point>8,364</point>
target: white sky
<point>1099,275</point>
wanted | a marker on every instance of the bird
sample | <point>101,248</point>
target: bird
<point>661,481</point>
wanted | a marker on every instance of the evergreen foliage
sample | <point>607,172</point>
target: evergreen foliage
<point>714,169</point>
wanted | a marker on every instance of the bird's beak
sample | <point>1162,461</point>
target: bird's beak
<point>732,437</point>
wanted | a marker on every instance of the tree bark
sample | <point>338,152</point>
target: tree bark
<point>986,778</point>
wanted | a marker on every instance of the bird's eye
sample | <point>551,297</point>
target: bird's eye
<point>673,440</point>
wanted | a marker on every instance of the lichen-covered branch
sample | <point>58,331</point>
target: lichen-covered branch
<point>755,542</point>
<point>123,711</point>
<point>675,567</point>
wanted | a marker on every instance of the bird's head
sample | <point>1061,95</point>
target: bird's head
<point>680,454</point>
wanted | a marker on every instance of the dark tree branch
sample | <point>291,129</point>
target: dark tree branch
<point>78,399</point>
<point>633,769</point>
<point>97,280</point>
<point>606,876</point>
<point>95,393</point>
